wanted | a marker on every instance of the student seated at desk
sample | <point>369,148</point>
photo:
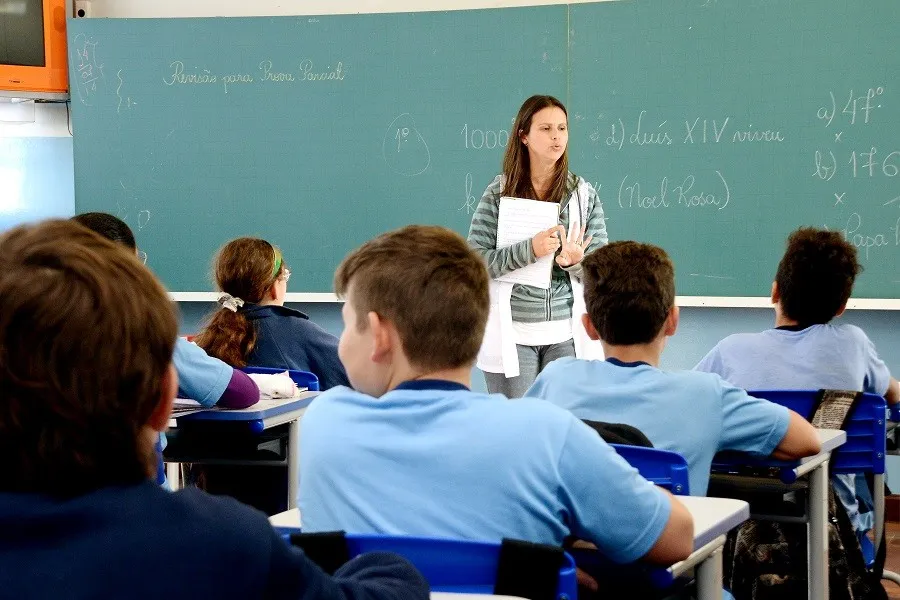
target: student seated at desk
<point>805,351</point>
<point>252,325</point>
<point>415,452</point>
<point>630,297</point>
<point>201,377</point>
<point>86,339</point>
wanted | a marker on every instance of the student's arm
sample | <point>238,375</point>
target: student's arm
<point>892,395</point>
<point>483,236</point>
<point>595,229</point>
<point>800,440</point>
<point>206,379</point>
<point>761,427</point>
<point>374,576</point>
<point>612,506</point>
<point>242,391</point>
<point>677,539</point>
<point>878,376</point>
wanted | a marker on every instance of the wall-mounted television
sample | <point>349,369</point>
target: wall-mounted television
<point>33,49</point>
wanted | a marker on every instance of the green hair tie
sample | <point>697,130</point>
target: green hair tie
<point>277,255</point>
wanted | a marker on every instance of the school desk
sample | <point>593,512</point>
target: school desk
<point>814,469</point>
<point>259,417</point>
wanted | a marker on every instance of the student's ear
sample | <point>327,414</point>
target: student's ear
<point>382,340</point>
<point>842,309</point>
<point>672,319</point>
<point>776,295</point>
<point>589,327</point>
<point>272,293</point>
<point>159,418</point>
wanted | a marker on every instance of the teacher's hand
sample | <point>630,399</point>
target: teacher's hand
<point>573,249</point>
<point>547,242</point>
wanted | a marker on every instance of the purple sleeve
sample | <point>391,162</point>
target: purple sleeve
<point>241,392</point>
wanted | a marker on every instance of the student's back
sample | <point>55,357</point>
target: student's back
<point>693,414</point>
<point>287,339</point>
<point>143,542</point>
<point>824,356</point>
<point>428,460</point>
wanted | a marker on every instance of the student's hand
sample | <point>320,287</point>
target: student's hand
<point>586,580</point>
<point>547,242</point>
<point>573,249</point>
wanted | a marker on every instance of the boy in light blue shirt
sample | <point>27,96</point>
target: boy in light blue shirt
<point>805,350</point>
<point>630,296</point>
<point>415,452</point>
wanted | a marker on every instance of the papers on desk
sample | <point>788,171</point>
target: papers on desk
<point>521,220</point>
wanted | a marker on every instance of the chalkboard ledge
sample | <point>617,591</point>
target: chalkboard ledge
<point>708,301</point>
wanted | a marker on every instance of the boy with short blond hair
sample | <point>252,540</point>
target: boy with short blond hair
<point>413,451</point>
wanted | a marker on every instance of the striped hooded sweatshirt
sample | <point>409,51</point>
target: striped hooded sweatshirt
<point>531,304</point>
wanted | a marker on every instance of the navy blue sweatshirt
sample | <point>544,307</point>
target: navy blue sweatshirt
<point>287,339</point>
<point>142,542</point>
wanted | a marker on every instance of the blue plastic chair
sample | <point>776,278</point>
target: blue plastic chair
<point>668,470</point>
<point>301,378</point>
<point>160,463</point>
<point>457,566</point>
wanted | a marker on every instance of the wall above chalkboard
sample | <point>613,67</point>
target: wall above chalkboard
<point>710,127</point>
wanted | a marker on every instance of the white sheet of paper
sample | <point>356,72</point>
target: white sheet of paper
<point>520,220</point>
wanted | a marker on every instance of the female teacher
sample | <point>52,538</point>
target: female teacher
<point>529,327</point>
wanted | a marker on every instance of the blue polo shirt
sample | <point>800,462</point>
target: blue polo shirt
<point>833,357</point>
<point>693,414</point>
<point>201,377</point>
<point>431,458</point>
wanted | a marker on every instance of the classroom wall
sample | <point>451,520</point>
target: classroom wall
<point>700,328</point>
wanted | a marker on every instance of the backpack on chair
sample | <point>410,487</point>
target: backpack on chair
<point>766,560</point>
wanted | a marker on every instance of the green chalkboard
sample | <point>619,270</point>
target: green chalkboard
<point>390,119</point>
<point>715,127</point>
<point>710,127</point>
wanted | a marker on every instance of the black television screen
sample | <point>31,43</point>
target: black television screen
<point>22,33</point>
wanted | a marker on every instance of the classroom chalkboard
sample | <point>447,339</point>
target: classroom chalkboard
<point>710,127</point>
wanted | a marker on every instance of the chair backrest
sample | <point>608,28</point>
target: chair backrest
<point>303,379</point>
<point>160,462</point>
<point>666,469</point>
<point>866,427</point>
<point>457,566</point>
